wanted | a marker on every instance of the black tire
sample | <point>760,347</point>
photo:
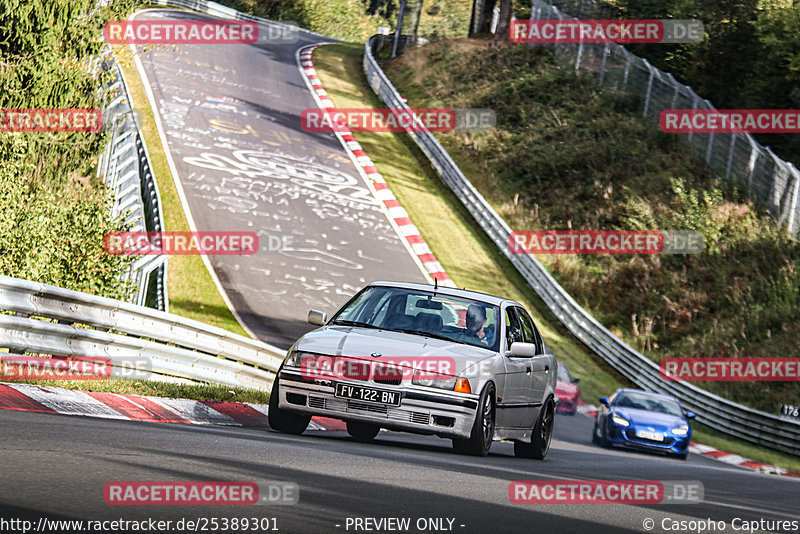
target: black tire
<point>363,432</point>
<point>604,437</point>
<point>681,456</point>
<point>595,437</point>
<point>480,440</point>
<point>283,421</point>
<point>541,437</point>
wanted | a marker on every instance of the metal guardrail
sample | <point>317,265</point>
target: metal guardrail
<point>738,157</point>
<point>139,342</point>
<point>126,170</point>
<point>718,413</point>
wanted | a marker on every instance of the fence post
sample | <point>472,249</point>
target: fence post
<point>695,98</point>
<point>578,57</point>
<point>603,66</point>
<point>734,135</point>
<point>649,87</point>
<point>674,82</point>
<point>751,166</point>
<point>627,70</point>
<point>793,208</point>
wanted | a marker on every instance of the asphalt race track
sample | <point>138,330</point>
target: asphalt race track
<point>231,117</point>
<point>57,466</point>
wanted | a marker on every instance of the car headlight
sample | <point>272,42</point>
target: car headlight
<point>296,357</point>
<point>426,378</point>
<point>680,430</point>
<point>619,420</point>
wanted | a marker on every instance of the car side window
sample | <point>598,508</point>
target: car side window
<point>514,331</point>
<point>529,329</point>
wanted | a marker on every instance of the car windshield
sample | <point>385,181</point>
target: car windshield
<point>456,319</point>
<point>642,401</point>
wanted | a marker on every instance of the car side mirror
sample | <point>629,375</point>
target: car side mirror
<point>689,415</point>
<point>575,380</point>
<point>604,401</point>
<point>520,349</point>
<point>317,317</point>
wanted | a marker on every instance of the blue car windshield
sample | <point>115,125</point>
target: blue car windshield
<point>650,403</point>
<point>456,319</point>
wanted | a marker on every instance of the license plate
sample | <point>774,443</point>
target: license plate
<point>655,436</point>
<point>381,396</point>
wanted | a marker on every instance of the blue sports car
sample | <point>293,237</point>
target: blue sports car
<point>639,419</point>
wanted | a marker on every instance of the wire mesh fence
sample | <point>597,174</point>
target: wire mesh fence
<point>770,181</point>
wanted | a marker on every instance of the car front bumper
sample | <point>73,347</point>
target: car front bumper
<point>422,410</point>
<point>626,436</point>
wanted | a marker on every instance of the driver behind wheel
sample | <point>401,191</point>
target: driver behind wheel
<point>474,331</point>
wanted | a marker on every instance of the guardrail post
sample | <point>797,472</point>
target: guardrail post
<point>649,87</point>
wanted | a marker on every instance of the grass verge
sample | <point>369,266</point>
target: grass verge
<point>471,260</point>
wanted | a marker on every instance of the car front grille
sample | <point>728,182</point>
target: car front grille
<point>350,406</point>
<point>389,381</point>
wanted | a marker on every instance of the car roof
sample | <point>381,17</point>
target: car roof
<point>450,291</point>
<point>650,393</point>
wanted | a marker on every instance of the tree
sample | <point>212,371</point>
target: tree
<point>503,22</point>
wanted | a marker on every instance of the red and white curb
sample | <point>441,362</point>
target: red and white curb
<point>53,400</point>
<point>710,452</point>
<point>735,459</point>
<point>587,409</point>
<point>407,231</point>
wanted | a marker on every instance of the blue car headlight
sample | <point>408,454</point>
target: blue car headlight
<point>618,419</point>
<point>681,430</point>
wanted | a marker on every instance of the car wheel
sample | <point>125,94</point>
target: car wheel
<point>604,442</point>
<point>681,456</point>
<point>283,421</point>
<point>363,432</point>
<point>595,437</point>
<point>480,440</point>
<point>541,437</point>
